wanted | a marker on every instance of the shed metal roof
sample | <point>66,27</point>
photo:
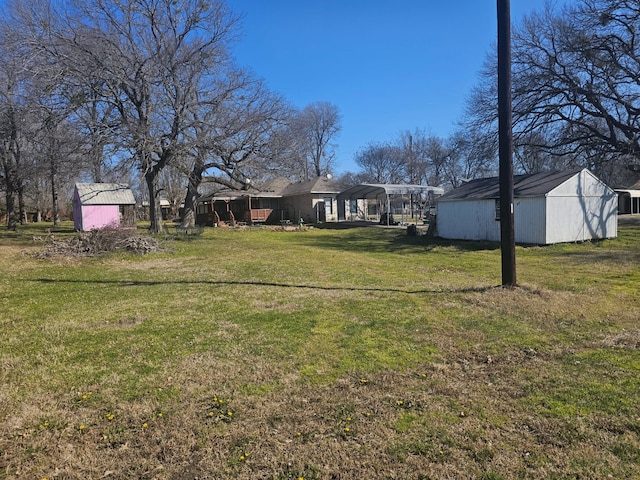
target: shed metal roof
<point>105,194</point>
<point>532,185</point>
<point>376,190</point>
<point>631,193</point>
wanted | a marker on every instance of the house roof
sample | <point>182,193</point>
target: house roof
<point>532,185</point>
<point>269,189</point>
<point>277,188</point>
<point>315,185</point>
<point>105,194</point>
<point>374,190</point>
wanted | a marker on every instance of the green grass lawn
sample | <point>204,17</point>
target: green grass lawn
<point>320,354</point>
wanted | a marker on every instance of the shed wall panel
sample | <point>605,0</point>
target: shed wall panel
<point>100,216</point>
<point>77,212</point>
<point>468,220</point>
<point>583,184</point>
<point>529,220</point>
<point>581,219</point>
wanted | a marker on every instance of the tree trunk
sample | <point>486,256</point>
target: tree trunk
<point>9,191</point>
<point>195,179</point>
<point>54,197</point>
<point>11,207</point>
<point>155,209</point>
<point>21,206</point>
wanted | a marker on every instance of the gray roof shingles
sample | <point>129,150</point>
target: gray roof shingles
<point>531,185</point>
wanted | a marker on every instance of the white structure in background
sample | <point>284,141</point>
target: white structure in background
<point>549,207</point>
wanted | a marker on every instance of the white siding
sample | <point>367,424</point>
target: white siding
<point>582,208</point>
<point>468,220</point>
<point>580,219</point>
<point>529,220</point>
<point>475,220</point>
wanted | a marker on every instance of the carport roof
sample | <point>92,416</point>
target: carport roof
<point>631,193</point>
<point>376,190</point>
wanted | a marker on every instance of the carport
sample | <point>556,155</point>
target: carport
<point>382,192</point>
<point>628,202</point>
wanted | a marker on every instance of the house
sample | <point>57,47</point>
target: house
<point>251,205</point>
<point>549,207</point>
<point>276,201</point>
<point>98,205</point>
<point>313,201</point>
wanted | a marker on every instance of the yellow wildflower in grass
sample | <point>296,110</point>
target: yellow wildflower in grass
<point>159,414</point>
<point>145,425</point>
<point>110,416</point>
<point>81,428</point>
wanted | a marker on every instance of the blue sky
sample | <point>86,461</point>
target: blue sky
<point>389,65</point>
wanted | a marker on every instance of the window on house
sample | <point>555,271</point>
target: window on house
<point>328,205</point>
<point>353,206</point>
<point>498,210</point>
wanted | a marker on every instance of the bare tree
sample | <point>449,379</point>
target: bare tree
<point>315,129</point>
<point>471,156</point>
<point>10,132</point>
<point>382,163</point>
<point>575,87</point>
<point>16,122</point>
<point>233,130</point>
<point>425,156</point>
<point>149,58</point>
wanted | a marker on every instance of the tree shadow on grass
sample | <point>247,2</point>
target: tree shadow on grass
<point>151,283</point>
<point>379,239</point>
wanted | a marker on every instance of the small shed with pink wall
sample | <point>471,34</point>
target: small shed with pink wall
<point>99,205</point>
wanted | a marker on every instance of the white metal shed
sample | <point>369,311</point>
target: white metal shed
<point>549,207</point>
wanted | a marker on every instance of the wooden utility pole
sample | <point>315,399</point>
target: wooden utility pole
<point>505,148</point>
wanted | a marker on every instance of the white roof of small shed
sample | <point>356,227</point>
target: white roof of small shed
<point>105,194</point>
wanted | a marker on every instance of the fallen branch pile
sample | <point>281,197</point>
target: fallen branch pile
<point>97,242</point>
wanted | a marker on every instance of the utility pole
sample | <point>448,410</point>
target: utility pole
<point>505,145</point>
